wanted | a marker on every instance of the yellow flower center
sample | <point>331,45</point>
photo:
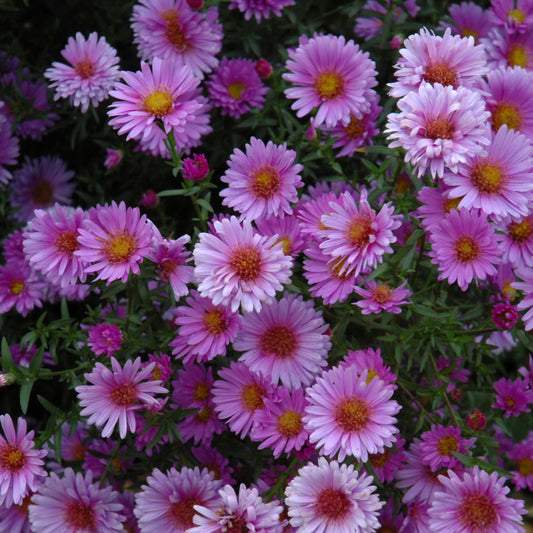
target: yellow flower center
<point>382,293</point>
<point>158,103</point>
<point>352,414</point>
<point>360,230</point>
<point>11,458</point>
<point>278,341</point>
<point>265,181</point>
<point>520,231</point>
<point>439,128</point>
<point>447,445</point>
<point>235,89</point>
<point>201,392</point>
<point>120,248</point>
<point>85,68</point>
<point>517,56</point>
<point>67,242</point>
<point>124,395</point>
<point>252,397</point>
<point>509,114</point>
<point>80,516</point>
<point>290,423</point>
<point>466,249</point>
<point>488,177</point>
<point>246,263</point>
<point>451,203</point>
<point>355,128</point>
<point>518,15</point>
<point>16,287</point>
<point>477,513</point>
<point>329,85</point>
<point>174,32</point>
<point>214,321</point>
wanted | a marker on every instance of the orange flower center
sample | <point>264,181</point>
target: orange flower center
<point>120,248</point>
<point>379,460</point>
<point>246,263</point>
<point>335,267</point>
<point>466,249</point>
<point>235,89</point>
<point>11,458</point>
<point>203,416</point>
<point>279,341</point>
<point>352,414</point>
<point>80,516</point>
<point>520,231</point>
<point>447,445</point>
<point>439,128</point>
<point>67,242</point>
<point>166,268</point>
<point>202,392</point>
<point>440,73</point>
<point>525,466</point>
<point>214,321</point>
<point>16,287</point>
<point>382,293</point>
<point>451,203</point>
<point>508,114</point>
<point>517,56</point>
<point>252,397</point>
<point>290,423</point>
<point>488,177</point>
<point>158,103</point>
<point>85,68</point>
<point>180,513</point>
<point>333,504</point>
<point>329,85</point>
<point>174,32</point>
<point>477,513</point>
<point>265,181</point>
<point>124,395</point>
<point>355,128</point>
<point>42,193</point>
<point>359,231</point>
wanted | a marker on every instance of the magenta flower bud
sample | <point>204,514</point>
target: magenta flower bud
<point>476,420</point>
<point>504,315</point>
<point>396,42</point>
<point>149,199</point>
<point>196,4</point>
<point>113,157</point>
<point>263,68</point>
<point>195,167</point>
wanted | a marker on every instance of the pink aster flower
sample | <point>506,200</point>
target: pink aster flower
<point>438,444</point>
<point>350,416</point>
<point>15,519</point>
<point>279,424</point>
<point>515,16</point>
<point>506,49</point>
<point>435,205</point>
<point>50,240</point>
<point>170,257</point>
<point>201,426</point>
<point>449,60</point>
<point>504,315</point>
<point>235,87</point>
<point>115,239</point>
<point>260,8</point>
<point>439,127</point>
<point>465,248</point>
<point>205,330</point>
<point>326,279</point>
<point>369,360</point>
<point>513,397</point>
<point>236,266</point>
<point>20,287</point>
<point>170,29</point>
<point>287,229</point>
<point>166,503</point>
<point>215,462</point>
<point>384,465</point>
<point>380,297</point>
<point>113,157</point>
<point>192,386</point>
<point>237,394</point>
<point>522,456</point>
<point>509,98</point>
<point>263,181</point>
<point>9,147</point>
<point>526,286</point>
<point>475,502</point>
<point>38,184</point>
<point>468,19</point>
<point>20,463</point>
<point>355,235</point>
<point>285,341</point>
<point>330,498</point>
<point>332,75</point>
<point>245,509</point>
<point>104,339</point>
<point>500,182</point>
<point>74,504</point>
<point>195,167</point>
<point>516,241</point>
<point>91,74</point>
<point>114,395</point>
<point>164,94</point>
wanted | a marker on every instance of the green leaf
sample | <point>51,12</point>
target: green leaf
<point>64,309</point>
<point>7,360</point>
<point>25,392</point>
<point>427,311</point>
<point>36,362</point>
<point>50,407</point>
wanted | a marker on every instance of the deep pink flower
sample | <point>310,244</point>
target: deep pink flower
<point>288,231</point>
<point>384,465</point>
<point>332,75</point>
<point>263,68</point>
<point>235,87</point>
<point>149,199</point>
<point>504,315</point>
<point>115,239</point>
<point>513,397</point>
<point>195,167</point>
<point>506,49</point>
<point>522,456</point>
<point>20,463</point>
<point>113,395</point>
<point>215,462</point>
<point>104,339</point>
<point>20,287</point>
<point>380,297</point>
<point>260,8</point>
<point>113,157</point>
<point>92,71</point>
<point>263,181</point>
<point>476,420</point>
<point>369,360</point>
<point>469,20</point>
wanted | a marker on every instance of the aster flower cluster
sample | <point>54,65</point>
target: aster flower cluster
<point>274,279</point>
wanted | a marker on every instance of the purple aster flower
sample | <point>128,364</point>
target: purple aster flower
<point>38,184</point>
<point>380,297</point>
<point>192,386</point>
<point>435,205</point>
<point>164,94</point>
<point>215,462</point>
<point>245,511</point>
<point>465,248</point>
<point>235,87</point>
<point>263,181</point>
<point>113,395</point>
<point>513,397</point>
<point>167,502</point>
<point>260,8</point>
<point>516,241</point>
<point>468,20</point>
<point>50,240</point>
<point>504,315</point>
<point>439,127</point>
<point>170,257</point>
<point>104,339</point>
<point>170,29</point>
<point>500,182</point>
<point>449,60</point>
<point>332,75</point>
<point>91,74</point>
<point>201,426</point>
<point>236,266</point>
<point>15,519</point>
<point>350,416</point>
<point>287,229</point>
<point>329,497</point>
<point>9,146</point>
<point>205,330</point>
<point>20,463</point>
<point>20,287</point>
<point>475,502</point>
<point>526,286</point>
<point>279,425</point>
<point>115,239</point>
<point>74,504</point>
<point>237,394</point>
<point>515,16</point>
<point>522,456</point>
<point>355,236</point>
<point>113,157</point>
<point>286,341</point>
<point>506,49</point>
<point>384,465</point>
<point>369,360</point>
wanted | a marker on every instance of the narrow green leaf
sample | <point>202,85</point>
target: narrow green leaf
<point>7,360</point>
<point>25,392</point>
<point>50,407</point>
<point>36,362</point>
